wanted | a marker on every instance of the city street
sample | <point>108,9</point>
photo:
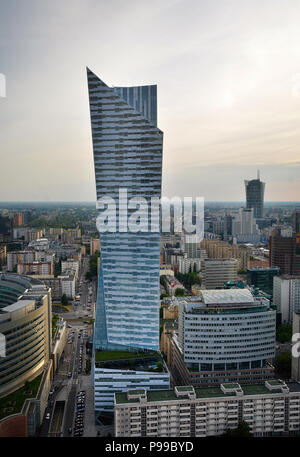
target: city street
<point>70,378</point>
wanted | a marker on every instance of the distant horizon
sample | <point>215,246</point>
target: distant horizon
<point>228,88</point>
<point>94,202</point>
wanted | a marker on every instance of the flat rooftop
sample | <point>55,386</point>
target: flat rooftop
<point>208,392</point>
<point>125,360</point>
<point>17,305</point>
<point>227,296</point>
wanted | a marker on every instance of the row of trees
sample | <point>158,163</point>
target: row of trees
<point>92,273</point>
<point>284,333</point>
<point>188,279</point>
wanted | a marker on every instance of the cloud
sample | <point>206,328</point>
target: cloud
<point>226,91</point>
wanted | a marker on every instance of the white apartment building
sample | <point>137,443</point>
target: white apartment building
<point>68,283</point>
<point>186,265</point>
<point>190,245</point>
<point>244,227</point>
<point>286,296</point>
<point>218,271</point>
<point>270,409</point>
<point>44,256</point>
<point>33,234</point>
<point>15,257</point>
<point>35,267</point>
<point>70,264</point>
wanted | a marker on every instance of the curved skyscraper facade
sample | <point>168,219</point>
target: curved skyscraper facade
<point>127,149</point>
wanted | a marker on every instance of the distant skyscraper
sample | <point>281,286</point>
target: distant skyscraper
<point>244,227</point>
<point>127,154</point>
<point>296,222</point>
<point>255,190</point>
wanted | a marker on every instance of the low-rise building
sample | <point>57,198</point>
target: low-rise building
<point>68,282</point>
<point>94,245</point>
<point>33,234</point>
<point>122,370</point>
<point>54,284</point>
<point>187,265</point>
<point>35,267</point>
<point>15,257</point>
<point>218,271</point>
<point>70,264</point>
<point>270,409</point>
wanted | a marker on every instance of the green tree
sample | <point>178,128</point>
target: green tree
<point>284,333</point>
<point>162,296</point>
<point>283,364</point>
<point>179,292</point>
<point>243,430</point>
<point>57,268</point>
<point>64,300</point>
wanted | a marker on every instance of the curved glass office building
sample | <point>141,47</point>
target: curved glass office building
<point>127,155</point>
<point>224,336</point>
<point>25,324</point>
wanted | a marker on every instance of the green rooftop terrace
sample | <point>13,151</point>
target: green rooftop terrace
<point>106,356</point>
<point>203,392</point>
<point>13,403</point>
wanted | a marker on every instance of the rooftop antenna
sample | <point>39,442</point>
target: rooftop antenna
<point>258,174</point>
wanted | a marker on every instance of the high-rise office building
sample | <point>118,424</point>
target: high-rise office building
<point>296,222</point>
<point>244,227</point>
<point>127,148</point>
<point>284,251</point>
<point>255,190</point>
<point>224,335</point>
<point>262,278</point>
<point>228,226</point>
<point>25,320</point>
<point>286,296</point>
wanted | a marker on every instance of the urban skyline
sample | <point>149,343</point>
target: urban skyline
<point>229,100</point>
<point>150,279</point>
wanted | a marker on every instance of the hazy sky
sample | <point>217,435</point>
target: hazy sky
<point>228,76</point>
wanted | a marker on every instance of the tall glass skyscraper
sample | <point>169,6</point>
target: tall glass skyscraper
<point>127,155</point>
<point>255,190</point>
